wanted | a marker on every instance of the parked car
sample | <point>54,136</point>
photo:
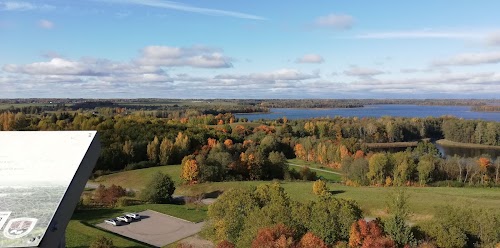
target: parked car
<point>124,218</point>
<point>113,222</point>
<point>134,216</point>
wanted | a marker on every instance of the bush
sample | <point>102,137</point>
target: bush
<point>124,202</point>
<point>140,165</point>
<point>159,189</point>
<point>108,196</point>
<point>102,242</point>
<point>307,174</point>
<point>319,187</point>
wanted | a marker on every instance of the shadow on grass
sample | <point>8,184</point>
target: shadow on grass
<point>336,192</point>
<point>94,214</point>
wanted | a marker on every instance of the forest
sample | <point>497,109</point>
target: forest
<point>212,145</point>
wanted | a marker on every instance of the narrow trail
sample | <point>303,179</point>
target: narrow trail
<point>316,169</point>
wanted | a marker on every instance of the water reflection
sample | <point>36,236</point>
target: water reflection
<point>466,152</point>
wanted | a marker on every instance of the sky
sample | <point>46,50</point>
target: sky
<point>249,49</point>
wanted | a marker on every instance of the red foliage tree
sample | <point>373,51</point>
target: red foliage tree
<point>310,240</point>
<point>369,234</point>
<point>108,196</point>
<point>279,236</point>
<point>225,244</point>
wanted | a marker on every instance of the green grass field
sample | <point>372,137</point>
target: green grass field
<point>81,230</point>
<point>424,201</point>
<point>136,179</point>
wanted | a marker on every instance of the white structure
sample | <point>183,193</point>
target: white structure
<point>42,175</point>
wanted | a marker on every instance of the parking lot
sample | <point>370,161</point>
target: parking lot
<point>155,228</point>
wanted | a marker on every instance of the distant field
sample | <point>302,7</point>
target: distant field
<point>81,231</point>
<point>424,201</point>
<point>21,105</point>
<point>136,179</point>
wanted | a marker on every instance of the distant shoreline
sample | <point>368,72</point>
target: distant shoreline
<point>445,142</point>
<point>392,144</point>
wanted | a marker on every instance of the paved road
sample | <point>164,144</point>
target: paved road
<point>316,169</point>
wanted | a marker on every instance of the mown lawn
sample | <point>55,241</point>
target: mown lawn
<point>312,165</point>
<point>136,179</point>
<point>424,201</point>
<point>81,230</point>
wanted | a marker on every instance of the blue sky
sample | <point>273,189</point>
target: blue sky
<point>249,49</point>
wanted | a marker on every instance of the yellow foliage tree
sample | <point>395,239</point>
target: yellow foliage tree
<point>319,187</point>
<point>190,170</point>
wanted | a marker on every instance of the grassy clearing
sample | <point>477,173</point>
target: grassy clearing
<point>136,179</point>
<point>445,142</point>
<point>424,202</point>
<point>81,230</point>
<point>312,165</point>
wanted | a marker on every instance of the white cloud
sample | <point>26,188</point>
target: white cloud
<point>356,71</point>
<point>23,6</point>
<point>187,8</point>
<point>83,67</point>
<point>278,75</point>
<point>195,56</point>
<point>494,39</point>
<point>336,21</point>
<point>310,58</point>
<point>420,34</point>
<point>470,59</point>
<point>45,24</point>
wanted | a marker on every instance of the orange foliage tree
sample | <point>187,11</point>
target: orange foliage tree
<point>228,143</point>
<point>279,236</point>
<point>369,234</point>
<point>310,240</point>
<point>300,152</point>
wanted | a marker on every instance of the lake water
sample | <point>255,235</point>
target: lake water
<point>390,110</point>
<point>467,152</point>
<point>375,111</point>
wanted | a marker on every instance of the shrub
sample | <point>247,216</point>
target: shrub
<point>108,196</point>
<point>159,189</point>
<point>225,244</point>
<point>140,165</point>
<point>102,242</point>
<point>319,187</point>
<point>124,201</point>
<point>307,174</point>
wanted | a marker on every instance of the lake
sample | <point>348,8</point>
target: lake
<point>375,111</point>
<point>466,151</point>
<point>390,110</point>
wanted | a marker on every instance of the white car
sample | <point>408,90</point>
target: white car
<point>113,222</point>
<point>134,216</point>
<point>124,218</point>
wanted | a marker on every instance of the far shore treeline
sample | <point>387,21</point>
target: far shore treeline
<point>210,141</point>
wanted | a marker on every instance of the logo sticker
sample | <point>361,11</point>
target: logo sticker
<point>20,227</point>
<point>3,218</point>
